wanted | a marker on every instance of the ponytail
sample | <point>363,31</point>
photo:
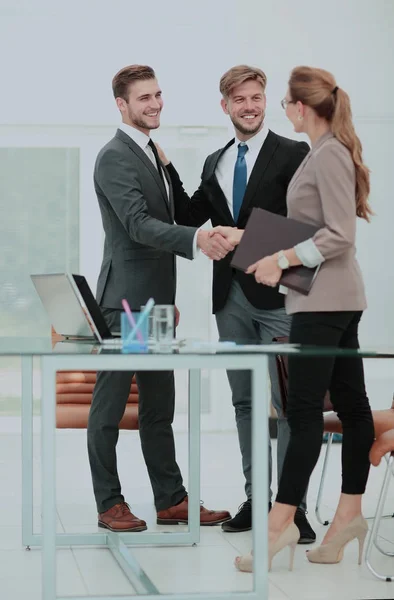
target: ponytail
<point>317,88</point>
<point>343,129</point>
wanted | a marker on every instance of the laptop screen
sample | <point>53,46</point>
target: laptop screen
<point>62,305</point>
<point>71,306</point>
<point>92,306</point>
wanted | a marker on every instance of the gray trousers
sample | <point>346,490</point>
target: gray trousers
<point>156,404</point>
<point>241,322</point>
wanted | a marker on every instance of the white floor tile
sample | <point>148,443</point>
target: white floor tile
<point>209,566</point>
<point>77,514</point>
<point>10,538</point>
<point>101,573</point>
<point>324,582</point>
<point>10,515</point>
<point>241,542</point>
<point>386,529</point>
<point>204,569</point>
<point>20,588</point>
<point>275,593</point>
<point>21,571</point>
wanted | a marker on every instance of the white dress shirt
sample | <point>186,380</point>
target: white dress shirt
<point>142,140</point>
<point>225,167</point>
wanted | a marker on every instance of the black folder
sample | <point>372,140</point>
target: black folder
<point>267,233</point>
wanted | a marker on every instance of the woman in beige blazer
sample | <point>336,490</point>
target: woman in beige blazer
<point>330,190</point>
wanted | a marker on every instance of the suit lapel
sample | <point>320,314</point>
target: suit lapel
<point>263,160</point>
<point>220,200</point>
<point>147,162</point>
<point>299,171</point>
<point>302,166</point>
<point>170,192</point>
<point>217,197</point>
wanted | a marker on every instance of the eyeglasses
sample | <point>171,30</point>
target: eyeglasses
<point>285,102</point>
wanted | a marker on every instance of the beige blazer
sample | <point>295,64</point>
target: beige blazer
<point>322,192</point>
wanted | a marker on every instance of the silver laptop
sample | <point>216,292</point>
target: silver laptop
<point>72,308</point>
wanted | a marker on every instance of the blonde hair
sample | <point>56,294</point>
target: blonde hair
<point>317,88</point>
<point>238,75</point>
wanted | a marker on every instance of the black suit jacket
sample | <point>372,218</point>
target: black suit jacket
<point>275,166</point>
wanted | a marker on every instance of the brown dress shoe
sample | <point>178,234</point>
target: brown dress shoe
<point>178,514</point>
<point>119,518</point>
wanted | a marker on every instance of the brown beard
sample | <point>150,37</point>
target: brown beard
<point>239,126</point>
<point>139,122</point>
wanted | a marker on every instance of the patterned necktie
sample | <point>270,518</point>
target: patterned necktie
<point>157,159</point>
<point>240,180</point>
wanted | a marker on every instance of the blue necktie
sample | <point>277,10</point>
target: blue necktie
<point>240,180</point>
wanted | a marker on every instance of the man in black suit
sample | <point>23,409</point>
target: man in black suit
<point>254,169</point>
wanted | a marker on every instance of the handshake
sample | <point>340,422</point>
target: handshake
<point>219,241</point>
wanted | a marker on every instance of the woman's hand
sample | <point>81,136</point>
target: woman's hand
<point>266,271</point>
<point>232,234</point>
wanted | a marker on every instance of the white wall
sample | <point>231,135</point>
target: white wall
<point>352,38</point>
<point>67,53</point>
<point>57,61</point>
<point>58,58</point>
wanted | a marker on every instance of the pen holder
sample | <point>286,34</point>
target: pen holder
<point>135,345</point>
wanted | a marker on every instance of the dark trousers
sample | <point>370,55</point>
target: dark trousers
<point>156,413</point>
<point>309,379</point>
<point>241,322</point>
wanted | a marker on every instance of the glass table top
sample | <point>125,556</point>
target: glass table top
<point>29,346</point>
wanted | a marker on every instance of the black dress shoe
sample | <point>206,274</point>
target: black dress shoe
<point>242,520</point>
<point>307,535</point>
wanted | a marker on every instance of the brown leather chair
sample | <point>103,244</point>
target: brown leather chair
<point>74,391</point>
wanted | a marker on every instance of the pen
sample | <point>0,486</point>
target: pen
<point>131,320</point>
<point>143,316</point>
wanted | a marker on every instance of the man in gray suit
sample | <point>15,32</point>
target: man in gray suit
<point>135,196</point>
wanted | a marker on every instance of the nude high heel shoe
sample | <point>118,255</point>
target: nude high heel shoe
<point>288,537</point>
<point>332,552</point>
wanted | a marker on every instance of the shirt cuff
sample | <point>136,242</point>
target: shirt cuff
<point>195,249</point>
<point>309,254</point>
<point>283,290</point>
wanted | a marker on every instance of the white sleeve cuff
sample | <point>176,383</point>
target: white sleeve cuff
<point>195,249</point>
<point>283,290</point>
<point>309,254</point>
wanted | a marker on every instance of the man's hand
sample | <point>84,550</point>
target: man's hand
<point>232,234</point>
<point>177,316</point>
<point>162,156</point>
<point>215,247</point>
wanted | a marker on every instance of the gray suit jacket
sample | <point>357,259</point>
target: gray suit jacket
<point>322,192</point>
<point>141,239</point>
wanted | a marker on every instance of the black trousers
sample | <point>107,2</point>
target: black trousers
<point>155,412</point>
<point>309,380</point>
